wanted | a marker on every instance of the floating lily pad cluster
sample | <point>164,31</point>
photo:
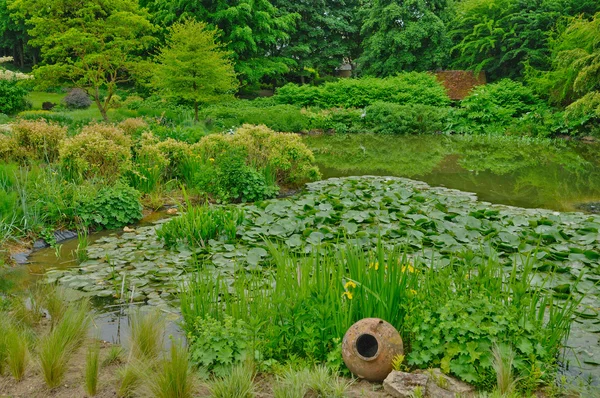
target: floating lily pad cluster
<point>434,223</point>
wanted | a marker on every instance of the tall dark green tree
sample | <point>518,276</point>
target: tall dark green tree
<point>403,35</point>
<point>253,31</point>
<point>500,36</point>
<point>326,34</point>
<point>13,35</point>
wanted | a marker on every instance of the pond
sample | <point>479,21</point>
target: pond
<point>532,173</point>
<point>528,174</point>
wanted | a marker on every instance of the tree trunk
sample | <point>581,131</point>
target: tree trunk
<point>196,120</point>
<point>100,106</point>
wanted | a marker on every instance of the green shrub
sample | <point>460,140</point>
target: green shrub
<point>200,224</point>
<point>405,88</point>
<point>584,114</point>
<point>235,181</point>
<point>285,118</point>
<point>492,108</point>
<point>13,97</point>
<point>284,154</point>
<point>99,150</point>
<point>8,147</point>
<point>112,207</point>
<point>217,345</point>
<point>388,118</point>
<point>339,120</point>
<point>38,139</point>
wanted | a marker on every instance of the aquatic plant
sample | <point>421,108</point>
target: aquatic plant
<point>199,224</point>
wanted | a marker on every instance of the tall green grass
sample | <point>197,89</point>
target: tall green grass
<point>17,352</point>
<point>92,366</point>
<point>301,306</point>
<point>239,383</point>
<point>199,224</point>
<point>147,333</point>
<point>173,377</point>
<point>56,348</point>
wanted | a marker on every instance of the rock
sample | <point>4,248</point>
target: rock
<point>61,236</point>
<point>172,211</point>
<point>405,385</point>
<point>21,258</point>
<point>47,106</point>
<point>127,229</point>
<point>588,139</point>
<point>440,385</point>
<point>40,244</point>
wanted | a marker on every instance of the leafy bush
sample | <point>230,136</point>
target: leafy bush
<point>405,88</point>
<point>388,118</point>
<point>584,114</point>
<point>38,139</point>
<point>133,126</point>
<point>284,118</point>
<point>217,345</point>
<point>200,224</point>
<point>284,154</point>
<point>112,207</point>
<point>494,107</point>
<point>237,181</point>
<point>99,150</point>
<point>12,97</point>
<point>77,99</point>
<point>8,147</point>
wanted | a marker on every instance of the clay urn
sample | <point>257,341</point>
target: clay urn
<point>369,347</point>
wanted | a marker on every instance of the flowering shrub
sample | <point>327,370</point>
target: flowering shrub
<point>99,150</point>
<point>38,139</point>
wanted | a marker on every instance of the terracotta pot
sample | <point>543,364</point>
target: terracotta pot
<point>369,347</point>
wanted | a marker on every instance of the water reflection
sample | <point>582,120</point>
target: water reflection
<point>557,175</point>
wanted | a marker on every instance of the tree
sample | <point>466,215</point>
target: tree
<point>326,34</point>
<point>403,35</point>
<point>92,44</point>
<point>575,70</point>
<point>13,36</point>
<point>193,67</point>
<point>501,36</point>
<point>252,30</point>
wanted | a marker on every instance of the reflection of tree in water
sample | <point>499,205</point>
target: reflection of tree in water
<point>509,170</point>
<point>503,155</point>
<point>360,154</point>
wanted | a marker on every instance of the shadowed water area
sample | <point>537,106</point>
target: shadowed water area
<point>558,176</point>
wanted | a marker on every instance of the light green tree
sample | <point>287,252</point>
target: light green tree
<point>91,44</point>
<point>193,67</point>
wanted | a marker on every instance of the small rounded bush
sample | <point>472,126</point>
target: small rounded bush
<point>111,207</point>
<point>99,150</point>
<point>133,126</point>
<point>13,97</point>
<point>38,139</point>
<point>77,99</point>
